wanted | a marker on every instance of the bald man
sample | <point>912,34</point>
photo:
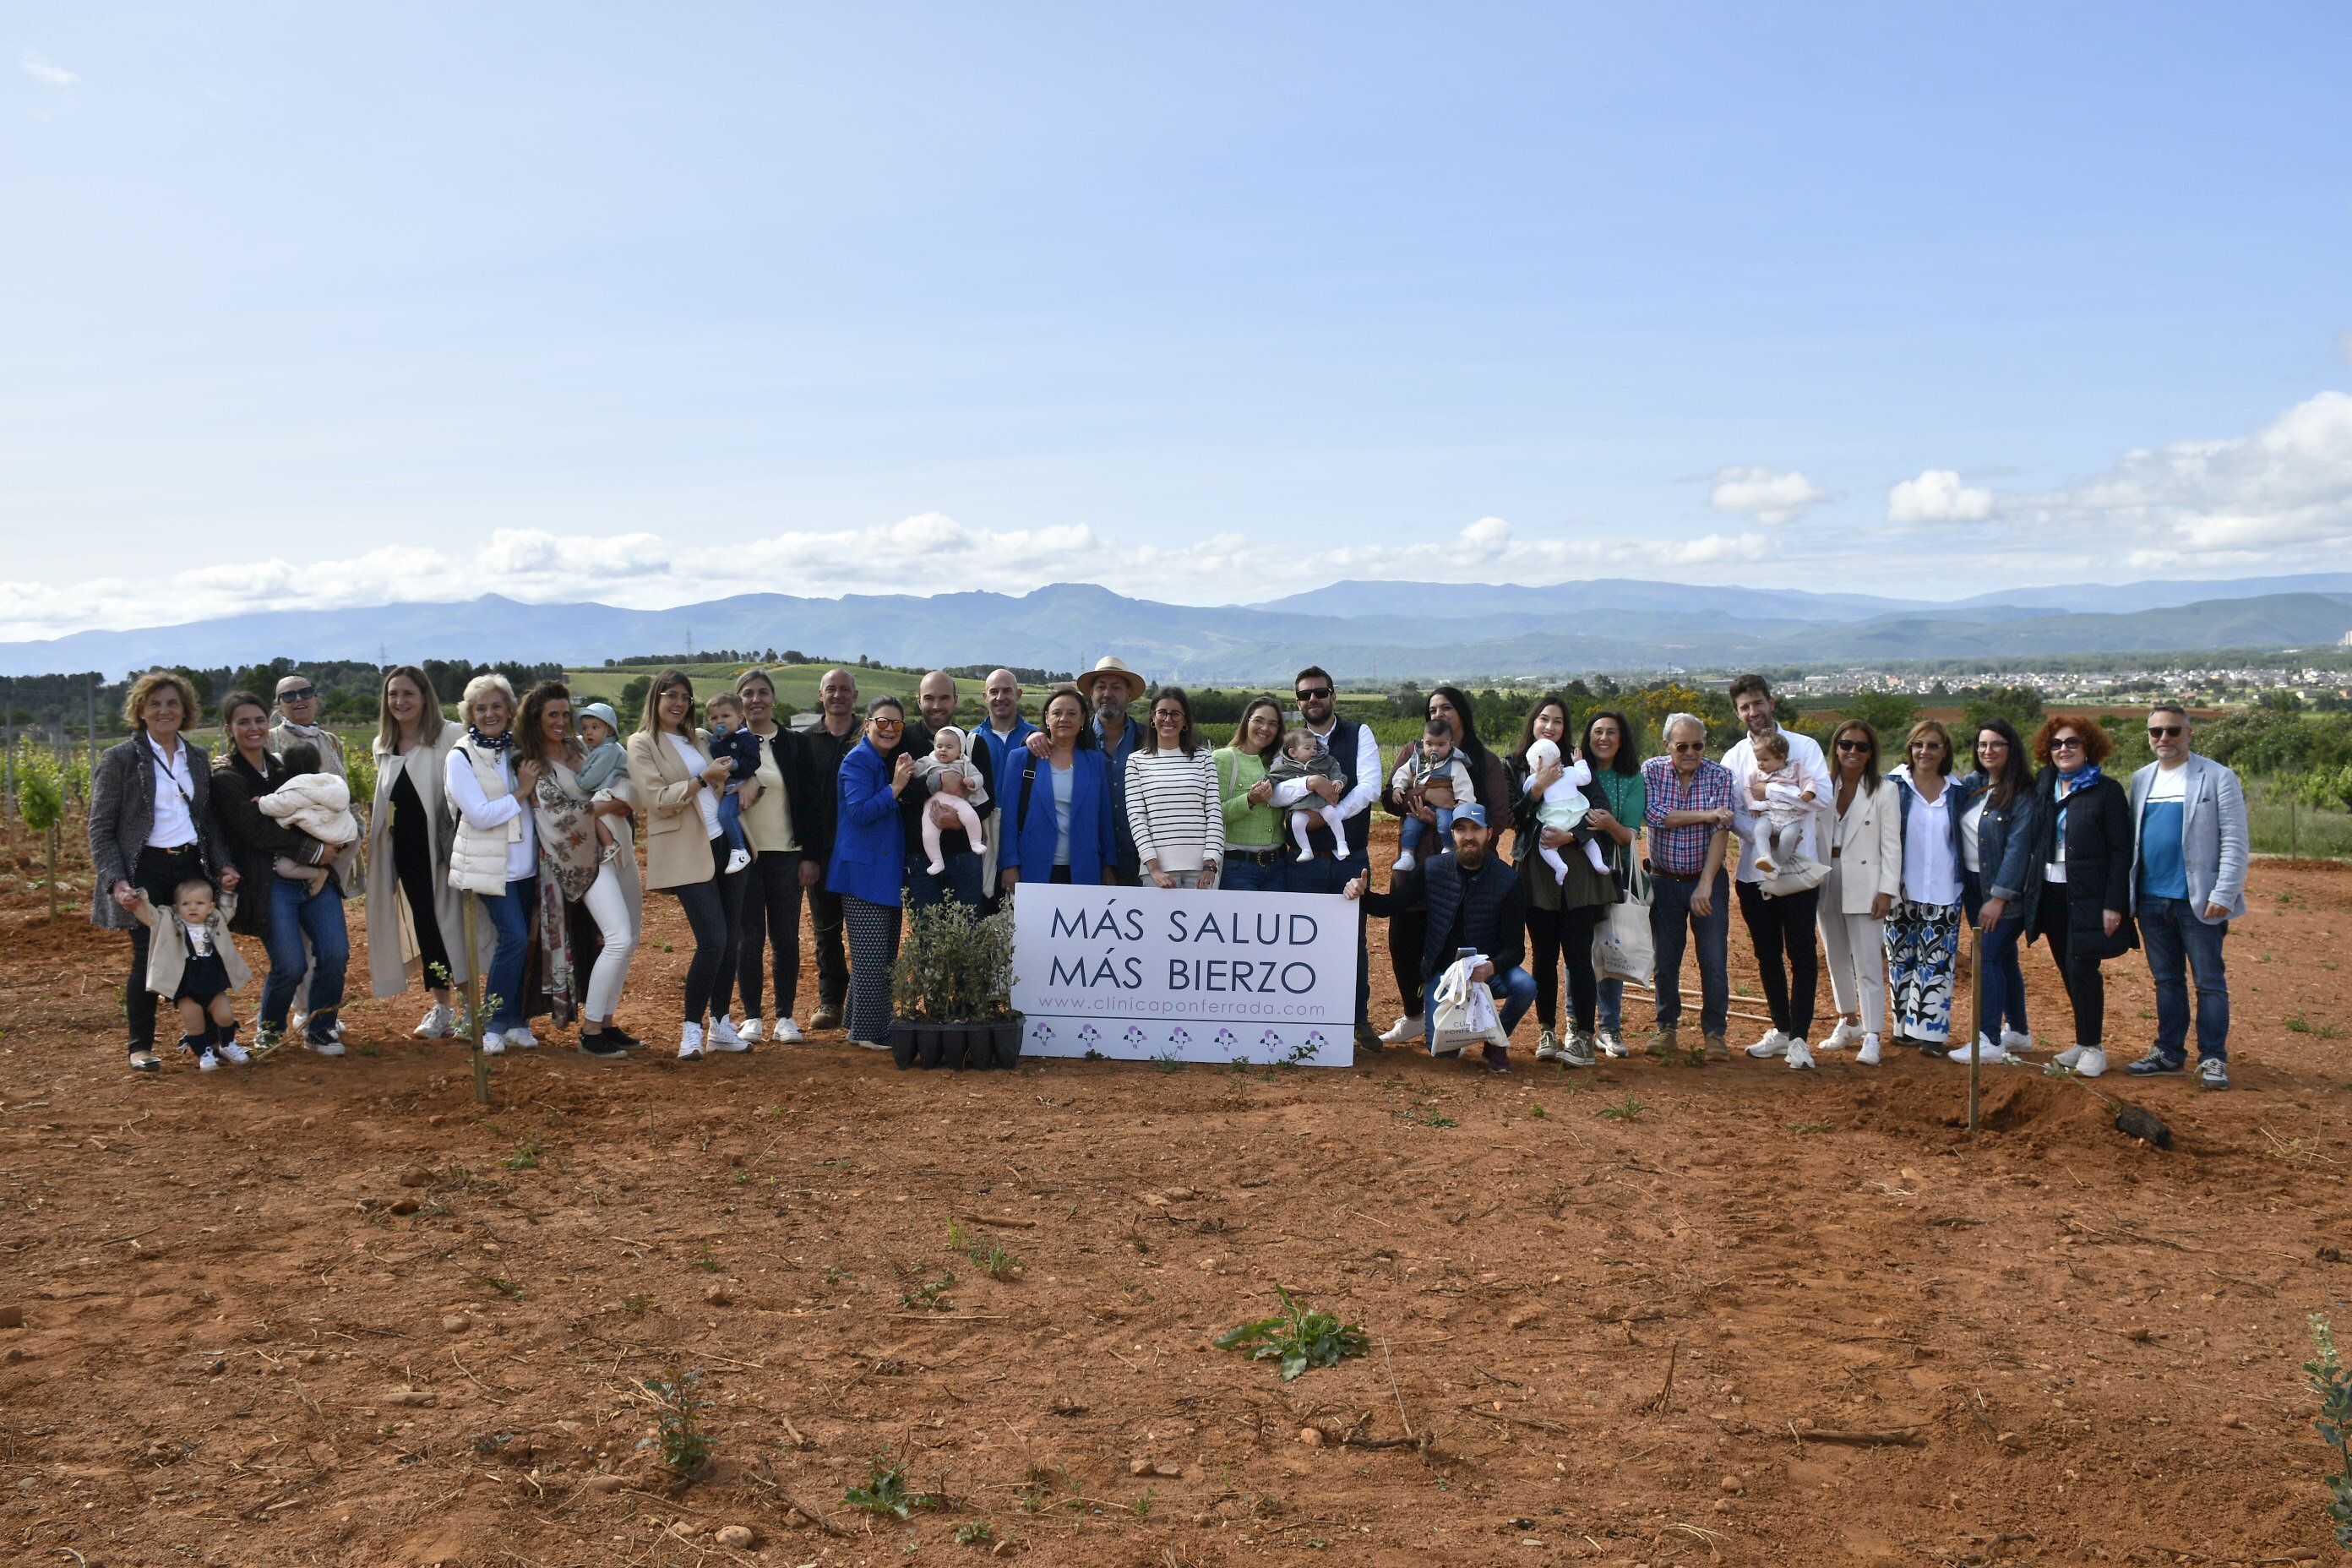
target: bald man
<point>1005,731</point>
<point>836,733</point>
<point>297,719</point>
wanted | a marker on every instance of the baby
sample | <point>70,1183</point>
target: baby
<point>960,787</point>
<point>1563,808</point>
<point>314,802</point>
<point>1432,771</point>
<point>193,964</point>
<point>739,745</point>
<point>1304,756</point>
<point>606,763</point>
<point>1787,802</point>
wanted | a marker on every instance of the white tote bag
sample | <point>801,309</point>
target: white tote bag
<point>1621,943</point>
<point>1462,1012</point>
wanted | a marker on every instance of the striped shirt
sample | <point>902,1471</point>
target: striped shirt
<point>1173,811</point>
<point>1682,851</point>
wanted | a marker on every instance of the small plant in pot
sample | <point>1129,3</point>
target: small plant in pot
<point>951,994</point>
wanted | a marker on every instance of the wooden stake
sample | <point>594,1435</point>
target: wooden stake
<point>472,995</point>
<point>1976,992</point>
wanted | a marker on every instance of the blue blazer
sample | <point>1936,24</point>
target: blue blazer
<point>869,848</point>
<point>1030,849</point>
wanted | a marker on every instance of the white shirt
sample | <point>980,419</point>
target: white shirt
<point>1971,820</point>
<point>176,792</point>
<point>1290,792</point>
<point>696,760</point>
<point>1931,872</point>
<point>199,939</point>
<point>2170,783</point>
<point>1806,767</point>
<point>465,792</point>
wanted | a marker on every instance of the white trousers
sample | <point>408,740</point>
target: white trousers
<point>608,906</point>
<point>1855,951</point>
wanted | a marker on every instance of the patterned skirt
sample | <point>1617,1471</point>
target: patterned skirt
<point>1923,948</point>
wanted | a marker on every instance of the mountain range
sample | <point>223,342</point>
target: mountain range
<point>1358,629</point>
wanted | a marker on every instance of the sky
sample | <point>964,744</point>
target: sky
<point>337,305</point>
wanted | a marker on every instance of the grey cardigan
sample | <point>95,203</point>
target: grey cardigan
<point>122,813</point>
<point>2214,837</point>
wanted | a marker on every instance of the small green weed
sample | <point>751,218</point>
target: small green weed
<point>525,1156</point>
<point>504,1287</point>
<point>684,1449</point>
<point>637,1306</point>
<point>1538,1111</point>
<point>930,1298</point>
<point>991,1258</point>
<point>835,1274</point>
<point>2303,1026</point>
<point>1172,1062</point>
<point>884,1491</point>
<point>976,1532</point>
<point>2333,1385</point>
<point>1141,1506</point>
<point>708,1261</point>
<point>1808,1126</point>
<point>1297,1338</point>
<point>1629,1110</point>
<point>1425,1114</point>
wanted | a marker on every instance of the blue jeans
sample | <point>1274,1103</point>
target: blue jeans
<point>1612,1006</point>
<point>2004,973</point>
<point>1255,876</point>
<point>960,881</point>
<point>2176,942</point>
<point>1331,874</point>
<point>1414,830</point>
<point>730,822</point>
<point>510,917</point>
<point>297,913</point>
<point>1671,925</point>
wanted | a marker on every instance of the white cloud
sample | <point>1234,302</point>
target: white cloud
<point>1768,495</point>
<point>40,69</point>
<point>1936,495</point>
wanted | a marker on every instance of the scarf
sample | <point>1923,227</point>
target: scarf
<point>309,732</point>
<point>2070,783</point>
<point>502,742</point>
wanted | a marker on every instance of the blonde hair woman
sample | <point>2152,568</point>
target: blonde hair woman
<point>412,913</point>
<point>494,855</point>
<point>676,783</point>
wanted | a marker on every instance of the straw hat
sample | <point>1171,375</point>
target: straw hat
<point>1111,664</point>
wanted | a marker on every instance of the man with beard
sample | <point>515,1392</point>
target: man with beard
<point>1474,901</point>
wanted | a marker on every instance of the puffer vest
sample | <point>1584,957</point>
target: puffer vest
<point>478,856</point>
<point>1477,899</point>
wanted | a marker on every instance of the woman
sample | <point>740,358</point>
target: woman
<point>676,784</point>
<point>1619,803</point>
<point>2083,839</point>
<point>778,872</point>
<point>1865,881</point>
<point>869,866</point>
<point>412,912</point>
<point>1057,809</point>
<point>1996,833</point>
<point>1562,912</point>
<point>282,911</point>
<point>1922,932</point>
<point>1173,808</point>
<point>151,828</point>
<point>581,864</point>
<point>1254,844</point>
<point>494,854</point>
<point>1490,783</point>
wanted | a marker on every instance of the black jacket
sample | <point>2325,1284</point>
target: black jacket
<point>1485,910</point>
<point>820,754</point>
<point>122,813</point>
<point>2098,828</point>
<point>250,839</point>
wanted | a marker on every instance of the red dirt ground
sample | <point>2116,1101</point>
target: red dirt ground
<point>331,1312</point>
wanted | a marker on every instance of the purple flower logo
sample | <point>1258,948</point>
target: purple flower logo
<point>1089,1033</point>
<point>1269,1039</point>
<point>1227,1037</point>
<point>1134,1036</point>
<point>1177,1036</point>
<point>1041,1031</point>
<point>1315,1041</point>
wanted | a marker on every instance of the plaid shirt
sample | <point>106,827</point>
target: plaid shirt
<point>1682,851</point>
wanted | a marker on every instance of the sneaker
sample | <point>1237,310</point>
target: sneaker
<point>1576,1052</point>
<point>1773,1044</point>
<point>1868,1055</point>
<point>1716,1048</point>
<point>1800,1058</point>
<point>2067,1058</point>
<point>1984,1050</point>
<point>723,1037</point>
<point>521,1039</point>
<point>266,1039</point>
<point>438,1024</point>
<point>2015,1042</point>
<point>1498,1059</point>
<point>1548,1046</point>
<point>146,1061</point>
<point>826,1017</point>
<point>1410,1028</point>
<point>1847,1033</point>
<point>494,1044</point>
<point>743,858</point>
<point>750,1033</point>
<point>689,1043</point>
<point>622,1037</point>
<point>2213,1073</point>
<point>297,1023</point>
<point>2157,1064</point>
<point>2093,1063</point>
<point>1367,1041</point>
<point>207,1060</point>
<point>1667,1046</point>
<point>787,1033</point>
<point>232,1053</point>
<point>870,1044</point>
<point>327,1046</point>
<point>1405,861</point>
<point>1610,1042</point>
<point>603,1047</point>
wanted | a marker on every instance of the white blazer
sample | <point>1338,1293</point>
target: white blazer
<point>1869,839</point>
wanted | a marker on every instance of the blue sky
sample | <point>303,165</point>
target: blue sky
<point>1207,303</point>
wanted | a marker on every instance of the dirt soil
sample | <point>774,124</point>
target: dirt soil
<point>331,1312</point>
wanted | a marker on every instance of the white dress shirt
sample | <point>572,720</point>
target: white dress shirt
<point>172,825</point>
<point>1811,770</point>
<point>1290,792</point>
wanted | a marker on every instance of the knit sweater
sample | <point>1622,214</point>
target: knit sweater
<point>1173,811</point>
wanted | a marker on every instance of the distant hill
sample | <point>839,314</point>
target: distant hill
<point>1356,629</point>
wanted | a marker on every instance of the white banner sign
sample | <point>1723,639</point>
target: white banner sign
<point>1200,975</point>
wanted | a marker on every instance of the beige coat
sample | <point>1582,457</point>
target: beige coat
<point>1869,838</point>
<point>167,950</point>
<point>678,850</point>
<point>392,964</point>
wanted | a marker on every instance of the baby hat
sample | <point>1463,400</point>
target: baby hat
<point>1542,753</point>
<point>603,712</point>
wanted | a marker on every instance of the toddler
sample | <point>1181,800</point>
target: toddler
<point>1431,771</point>
<point>605,764</point>
<point>961,787</point>
<point>1304,756</point>
<point>1785,802</point>
<point>738,746</point>
<point>193,964</point>
<point>1563,808</point>
<point>312,801</point>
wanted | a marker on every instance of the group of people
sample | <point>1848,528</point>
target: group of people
<point>503,843</point>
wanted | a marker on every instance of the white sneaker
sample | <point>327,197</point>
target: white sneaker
<point>737,860</point>
<point>2068,1058</point>
<point>1847,1033</point>
<point>1548,1046</point>
<point>1773,1044</point>
<point>870,1045</point>
<point>2093,1063</point>
<point>1410,1028</point>
<point>232,1053</point>
<point>1984,1050</point>
<point>1868,1055</point>
<point>1800,1058</point>
<point>1610,1042</point>
<point>750,1033</point>
<point>2015,1043</point>
<point>207,1061</point>
<point>723,1037</point>
<point>439,1024</point>
<point>330,1046</point>
<point>296,1024</point>
<point>1405,861</point>
<point>689,1043</point>
<point>787,1033</point>
<point>521,1039</point>
<point>494,1044</point>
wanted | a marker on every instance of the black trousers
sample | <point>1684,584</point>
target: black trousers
<point>157,874</point>
<point>772,919</point>
<point>411,863</point>
<point>832,955</point>
<point>1554,935</point>
<point>2086,987</point>
<point>714,911</point>
<point>1781,929</point>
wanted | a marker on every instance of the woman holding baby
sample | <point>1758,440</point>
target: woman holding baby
<point>584,865</point>
<point>1564,874</point>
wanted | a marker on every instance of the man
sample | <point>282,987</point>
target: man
<point>1112,688</point>
<point>298,715</point>
<point>2188,882</point>
<point>1335,864</point>
<point>831,740</point>
<point>935,697</point>
<point>1781,925</point>
<point>1689,817</point>
<point>1005,729</point>
<point>1476,901</point>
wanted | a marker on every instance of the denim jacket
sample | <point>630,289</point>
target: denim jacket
<point>2005,839</point>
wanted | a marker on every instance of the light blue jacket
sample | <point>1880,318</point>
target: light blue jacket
<point>2214,836</point>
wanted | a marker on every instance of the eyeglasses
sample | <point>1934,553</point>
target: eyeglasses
<point>881,723</point>
<point>2166,732</point>
<point>1168,712</point>
<point>1313,693</point>
<point>2065,744</point>
<point>1854,745</point>
<point>299,694</point>
<point>1690,745</point>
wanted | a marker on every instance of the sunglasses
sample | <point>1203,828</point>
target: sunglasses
<point>1690,745</point>
<point>1854,745</point>
<point>2166,732</point>
<point>299,694</point>
<point>1313,693</point>
<point>881,723</point>
<point>2065,744</point>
